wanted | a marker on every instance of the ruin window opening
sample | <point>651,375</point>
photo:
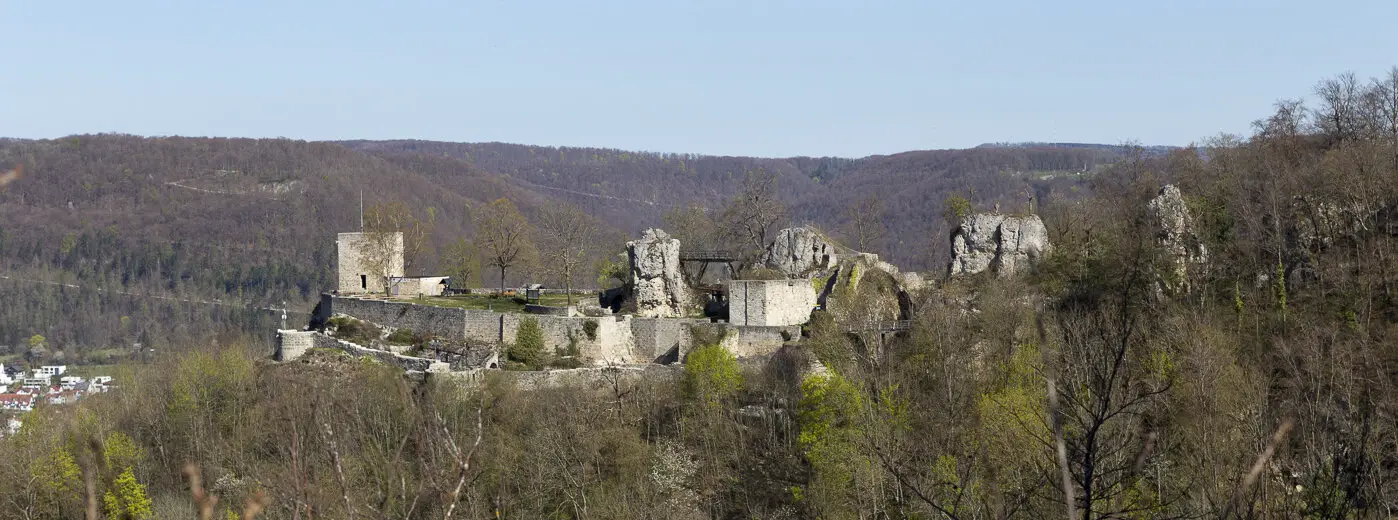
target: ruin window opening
<point>363,281</point>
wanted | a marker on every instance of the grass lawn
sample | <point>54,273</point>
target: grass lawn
<point>88,371</point>
<point>474,301</point>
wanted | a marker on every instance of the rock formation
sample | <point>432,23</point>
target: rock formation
<point>657,283</point>
<point>796,251</point>
<point>1003,244</point>
<point>1177,237</point>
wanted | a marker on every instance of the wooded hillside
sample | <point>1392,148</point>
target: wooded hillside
<point>253,221</point>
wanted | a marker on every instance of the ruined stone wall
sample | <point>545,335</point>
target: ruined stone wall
<point>591,378</point>
<point>483,325</point>
<point>423,319</point>
<point>657,337</point>
<point>292,343</point>
<point>757,341</point>
<point>612,341</point>
<point>770,302</point>
<point>352,277</point>
<point>616,339</point>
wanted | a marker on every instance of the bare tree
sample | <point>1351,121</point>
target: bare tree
<point>1383,95</point>
<point>462,262</point>
<point>749,218</point>
<point>504,234</point>
<point>1339,116</point>
<point>568,235</point>
<point>865,223</point>
<point>393,240</point>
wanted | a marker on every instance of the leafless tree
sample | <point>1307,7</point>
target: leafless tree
<point>749,219</point>
<point>380,246</point>
<point>568,236</point>
<point>865,224</point>
<point>1340,117</point>
<point>504,234</point>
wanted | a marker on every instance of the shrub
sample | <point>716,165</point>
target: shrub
<point>529,343</point>
<point>404,337</point>
<point>711,375</point>
<point>355,331</point>
<point>786,335</point>
<point>590,329</point>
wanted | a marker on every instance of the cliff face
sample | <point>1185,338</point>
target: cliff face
<point>656,279</point>
<point>1000,243</point>
<point>1176,235</point>
<point>797,251</point>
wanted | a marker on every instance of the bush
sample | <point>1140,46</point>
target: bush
<point>590,329</point>
<point>786,335</point>
<point>404,337</point>
<point>711,375</point>
<point>355,331</point>
<point>529,343</point>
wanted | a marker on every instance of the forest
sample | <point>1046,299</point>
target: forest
<point>1258,383</point>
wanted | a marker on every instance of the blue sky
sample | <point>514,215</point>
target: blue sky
<point>754,77</point>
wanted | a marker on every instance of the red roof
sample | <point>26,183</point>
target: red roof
<point>16,398</point>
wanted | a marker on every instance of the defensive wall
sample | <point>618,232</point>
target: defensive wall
<point>769,303</point>
<point>608,339</point>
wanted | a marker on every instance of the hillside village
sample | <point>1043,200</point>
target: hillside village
<point>21,392</point>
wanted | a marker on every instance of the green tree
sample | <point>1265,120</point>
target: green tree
<point>127,498</point>
<point>529,343</point>
<point>711,375</point>
<point>955,208</point>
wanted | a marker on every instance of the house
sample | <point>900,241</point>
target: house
<point>99,384</point>
<point>69,382</point>
<point>51,370</point>
<point>418,285</point>
<point>17,402</point>
<point>64,397</point>
<point>37,382</point>
<point>5,378</point>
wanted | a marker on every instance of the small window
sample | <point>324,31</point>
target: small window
<point>363,281</point>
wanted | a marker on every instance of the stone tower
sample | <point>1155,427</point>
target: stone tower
<point>360,255</point>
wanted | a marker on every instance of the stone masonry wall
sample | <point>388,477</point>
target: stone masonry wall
<point>292,343</point>
<point>769,303</point>
<point>349,268</point>
<point>423,319</point>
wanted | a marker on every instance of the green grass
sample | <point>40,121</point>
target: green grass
<point>497,304</point>
<point>89,371</point>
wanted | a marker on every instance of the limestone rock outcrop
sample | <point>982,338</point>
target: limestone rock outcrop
<point>797,251</point>
<point>657,283</point>
<point>1003,244</point>
<point>1176,235</point>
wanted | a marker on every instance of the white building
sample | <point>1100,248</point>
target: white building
<point>5,378</point>
<point>99,384</point>
<point>52,370</point>
<point>68,382</point>
<point>36,382</point>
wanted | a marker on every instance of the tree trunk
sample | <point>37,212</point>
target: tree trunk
<point>502,280</point>
<point>568,284</point>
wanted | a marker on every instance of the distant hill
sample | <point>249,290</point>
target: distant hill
<point>252,221</point>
